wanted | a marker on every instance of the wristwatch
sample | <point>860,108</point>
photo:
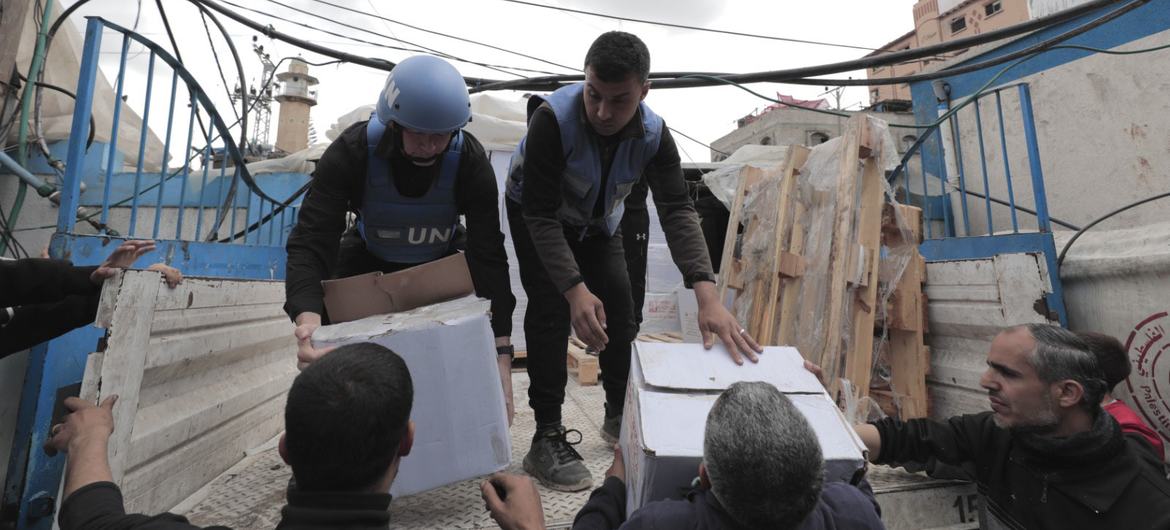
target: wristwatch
<point>506,349</point>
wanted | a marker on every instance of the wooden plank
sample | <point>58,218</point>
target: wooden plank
<point>785,333</point>
<point>583,365</point>
<point>784,261</point>
<point>830,358</point>
<point>859,359</point>
<point>749,176</point>
<point>125,358</point>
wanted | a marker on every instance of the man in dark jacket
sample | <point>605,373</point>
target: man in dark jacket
<point>1046,456</point>
<point>408,174</point>
<point>347,427</point>
<point>762,469</point>
<point>588,147</point>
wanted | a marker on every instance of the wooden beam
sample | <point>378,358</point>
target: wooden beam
<point>859,359</point>
<point>785,262</point>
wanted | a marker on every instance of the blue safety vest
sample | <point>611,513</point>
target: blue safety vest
<point>582,176</point>
<point>402,229</point>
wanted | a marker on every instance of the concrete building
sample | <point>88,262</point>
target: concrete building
<point>799,126</point>
<point>296,98</point>
<point>936,22</point>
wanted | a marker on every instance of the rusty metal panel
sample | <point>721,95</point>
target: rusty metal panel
<point>201,371</point>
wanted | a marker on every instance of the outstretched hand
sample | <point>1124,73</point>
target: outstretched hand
<point>716,321</point>
<point>123,257</point>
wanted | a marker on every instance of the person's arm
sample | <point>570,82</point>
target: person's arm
<point>36,323</point>
<point>954,441</point>
<point>486,259</point>
<point>36,281</point>
<point>92,500</point>
<point>544,164</point>
<point>314,242</point>
<point>606,508</point>
<point>688,248</point>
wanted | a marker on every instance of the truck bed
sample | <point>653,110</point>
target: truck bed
<point>249,495</point>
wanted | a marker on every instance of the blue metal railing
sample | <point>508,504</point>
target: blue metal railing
<point>959,194</point>
<point>225,225</point>
<point>934,154</point>
<point>244,212</point>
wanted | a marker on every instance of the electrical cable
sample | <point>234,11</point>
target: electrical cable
<point>455,37</point>
<point>684,135</point>
<point>694,28</point>
<point>218,66</point>
<point>178,56</point>
<point>418,48</point>
<point>1097,221</point>
<point>796,75</point>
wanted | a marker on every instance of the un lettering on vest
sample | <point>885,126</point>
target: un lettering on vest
<point>418,235</point>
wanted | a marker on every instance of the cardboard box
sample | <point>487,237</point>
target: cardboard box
<point>461,425</point>
<point>374,293</point>
<point>672,387</point>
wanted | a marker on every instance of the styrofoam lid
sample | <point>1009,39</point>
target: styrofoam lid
<point>682,366</point>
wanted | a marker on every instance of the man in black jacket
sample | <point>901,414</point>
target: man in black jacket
<point>408,174</point>
<point>762,469</point>
<point>347,427</point>
<point>1047,455</point>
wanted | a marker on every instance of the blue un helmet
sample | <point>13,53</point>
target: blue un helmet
<point>426,94</point>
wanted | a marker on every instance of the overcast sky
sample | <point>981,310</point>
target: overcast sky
<point>555,36</point>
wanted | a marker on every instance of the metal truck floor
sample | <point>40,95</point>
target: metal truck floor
<point>249,496</point>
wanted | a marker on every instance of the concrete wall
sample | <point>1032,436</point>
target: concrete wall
<point>790,126</point>
<point>1102,136</point>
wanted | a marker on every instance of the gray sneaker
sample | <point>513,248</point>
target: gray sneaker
<point>553,461</point>
<point>611,428</point>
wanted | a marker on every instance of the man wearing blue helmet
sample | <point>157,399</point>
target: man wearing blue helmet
<point>588,145</point>
<point>409,170</point>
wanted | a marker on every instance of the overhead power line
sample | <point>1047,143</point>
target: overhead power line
<point>441,34</point>
<point>694,28</point>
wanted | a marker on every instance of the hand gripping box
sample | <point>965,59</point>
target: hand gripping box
<point>461,424</point>
<point>673,386</point>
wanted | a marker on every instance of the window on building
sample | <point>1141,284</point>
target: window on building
<point>958,24</point>
<point>993,7</point>
<point>817,138</point>
<point>874,95</point>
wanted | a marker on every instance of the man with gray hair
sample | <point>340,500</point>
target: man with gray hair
<point>762,469</point>
<point>1046,455</point>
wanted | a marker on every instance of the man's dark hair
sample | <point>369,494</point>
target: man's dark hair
<point>762,457</point>
<point>1111,356</point>
<point>1060,354</point>
<point>615,55</point>
<point>346,414</point>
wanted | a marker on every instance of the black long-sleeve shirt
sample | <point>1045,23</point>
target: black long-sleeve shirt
<point>48,298</point>
<point>338,186</point>
<point>99,506</point>
<point>544,163</point>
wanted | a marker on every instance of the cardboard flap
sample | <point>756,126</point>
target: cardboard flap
<point>355,297</point>
<point>690,367</point>
<point>429,283</point>
<point>374,293</point>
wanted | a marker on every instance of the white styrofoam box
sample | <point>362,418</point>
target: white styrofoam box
<point>461,425</point>
<point>672,388</point>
